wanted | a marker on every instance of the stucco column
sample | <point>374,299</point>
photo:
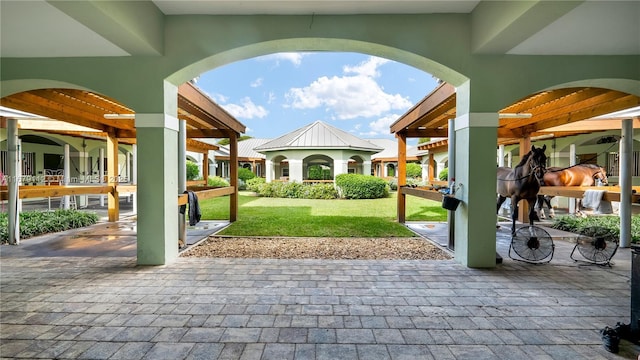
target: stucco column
<point>295,170</point>
<point>366,167</point>
<point>66,176</point>
<point>157,139</point>
<point>340,166</point>
<point>626,153</point>
<point>270,172</point>
<point>134,176</point>
<point>572,161</point>
<point>501,155</point>
<point>475,170</point>
<point>13,186</point>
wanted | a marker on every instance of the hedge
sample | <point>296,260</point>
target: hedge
<point>34,223</point>
<point>356,186</point>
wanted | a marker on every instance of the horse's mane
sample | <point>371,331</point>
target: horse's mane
<point>524,159</point>
<point>592,166</point>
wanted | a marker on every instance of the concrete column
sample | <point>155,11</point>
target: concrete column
<point>572,161</point>
<point>450,180</point>
<point>501,155</point>
<point>157,139</point>
<point>85,175</point>
<point>295,170</point>
<point>233,178</point>
<point>134,176</point>
<point>626,153</point>
<point>182,176</point>
<point>340,166</point>
<point>366,167</point>
<point>475,218</point>
<point>270,171</point>
<point>509,159</point>
<point>13,163</point>
<point>67,175</point>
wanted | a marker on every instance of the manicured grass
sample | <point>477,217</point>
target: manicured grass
<point>320,218</point>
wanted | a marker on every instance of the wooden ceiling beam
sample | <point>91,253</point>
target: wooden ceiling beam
<point>207,133</point>
<point>81,108</point>
<point>537,100</point>
<point>25,102</point>
<point>426,105</point>
<point>578,105</point>
<point>193,95</point>
<point>424,133</point>
<point>605,107</point>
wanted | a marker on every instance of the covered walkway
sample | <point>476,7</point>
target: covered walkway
<point>61,304</point>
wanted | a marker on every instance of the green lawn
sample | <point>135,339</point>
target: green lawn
<point>320,218</point>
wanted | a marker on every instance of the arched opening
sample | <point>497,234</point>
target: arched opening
<point>318,167</point>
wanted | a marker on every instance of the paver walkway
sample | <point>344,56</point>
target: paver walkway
<point>106,307</point>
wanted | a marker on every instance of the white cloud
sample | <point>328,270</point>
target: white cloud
<point>348,97</point>
<point>218,98</point>
<point>294,57</point>
<point>271,97</point>
<point>246,109</point>
<point>381,126</point>
<point>367,68</point>
<point>257,82</point>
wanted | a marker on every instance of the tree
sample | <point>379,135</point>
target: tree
<point>245,174</point>
<point>192,170</point>
<point>444,174</point>
<point>226,141</point>
<point>414,170</point>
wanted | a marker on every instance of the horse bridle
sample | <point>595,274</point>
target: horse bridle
<point>602,178</point>
<point>533,167</point>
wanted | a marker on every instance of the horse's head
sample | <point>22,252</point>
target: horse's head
<point>601,174</point>
<point>538,162</point>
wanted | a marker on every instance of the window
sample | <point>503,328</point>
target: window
<point>613,164</point>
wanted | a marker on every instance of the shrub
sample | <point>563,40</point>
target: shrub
<point>356,186</point>
<point>34,223</point>
<point>582,225</point>
<point>393,184</point>
<point>414,170</point>
<point>318,191</point>
<point>444,174</point>
<point>316,172</point>
<point>192,170</point>
<point>254,184</point>
<point>217,181</point>
<point>296,190</point>
<point>245,174</point>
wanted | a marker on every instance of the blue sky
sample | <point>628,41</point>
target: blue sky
<point>275,94</point>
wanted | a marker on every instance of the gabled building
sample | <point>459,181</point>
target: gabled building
<point>290,156</point>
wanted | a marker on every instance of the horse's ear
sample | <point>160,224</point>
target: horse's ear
<point>533,147</point>
<point>544,147</point>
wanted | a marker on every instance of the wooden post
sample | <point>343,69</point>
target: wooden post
<point>432,167</point>
<point>233,176</point>
<point>402,175</point>
<point>205,167</point>
<point>113,204</point>
<point>523,208</point>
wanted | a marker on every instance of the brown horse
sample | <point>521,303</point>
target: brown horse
<point>522,182</point>
<point>576,175</point>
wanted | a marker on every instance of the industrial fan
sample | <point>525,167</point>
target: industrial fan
<point>532,244</point>
<point>597,245</point>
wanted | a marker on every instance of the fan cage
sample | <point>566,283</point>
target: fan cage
<point>596,245</point>
<point>532,244</point>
